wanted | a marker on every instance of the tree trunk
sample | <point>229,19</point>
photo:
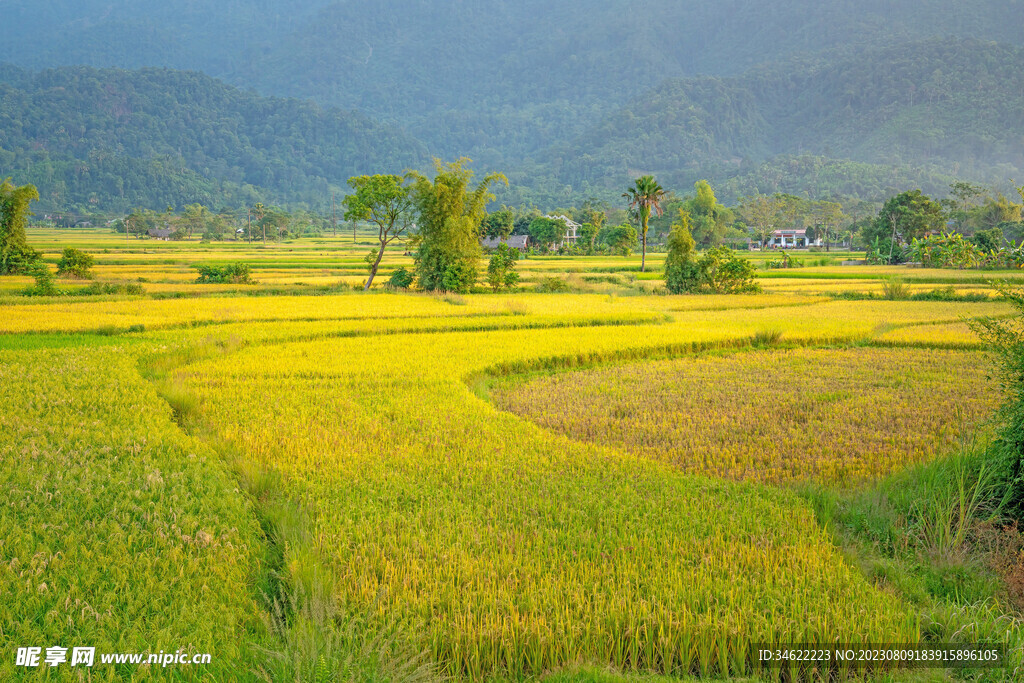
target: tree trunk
<point>643,253</point>
<point>373,270</point>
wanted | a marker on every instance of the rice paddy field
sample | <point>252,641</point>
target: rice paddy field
<point>313,483</point>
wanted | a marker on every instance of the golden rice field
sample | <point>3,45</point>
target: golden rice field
<point>525,486</point>
<point>772,416</point>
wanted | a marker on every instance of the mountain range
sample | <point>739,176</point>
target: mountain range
<point>570,99</point>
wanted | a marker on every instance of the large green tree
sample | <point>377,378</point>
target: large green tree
<point>905,217</point>
<point>15,254</point>
<point>449,214</point>
<point>385,201</point>
<point>708,218</point>
<point>546,232</point>
<point>645,197</point>
<point>681,262</point>
<point>500,223</point>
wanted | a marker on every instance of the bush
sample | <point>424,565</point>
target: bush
<point>75,263</point>
<point>1006,338</point>
<point>786,261</point>
<point>681,274</point>
<point>234,273</point>
<point>501,271</point>
<point>719,271</point>
<point>400,279</point>
<point>553,285</point>
<point>722,272</point>
<point>459,277</point>
<point>44,280</point>
<point>109,288</point>
<point>895,290</point>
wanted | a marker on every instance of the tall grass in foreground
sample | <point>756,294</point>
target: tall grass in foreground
<point>117,531</point>
<point>507,551</point>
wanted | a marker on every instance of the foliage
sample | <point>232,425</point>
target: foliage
<point>708,218</point>
<point>44,286</point>
<point>233,273</point>
<point>621,239</point>
<point>385,201</point>
<point>946,250</point>
<point>894,289</point>
<point>681,262</point>
<point>449,217</point>
<point>501,271</point>
<point>952,250</point>
<point>586,236</point>
<point>719,271</point>
<point>553,285</point>
<point>103,139</point>
<point>112,288</point>
<point>15,254</point>
<point>784,261</point>
<point>546,232</point>
<point>75,263</point>
<point>459,277</point>
<point>1006,339</point>
<point>645,198</point>
<point>989,240</point>
<point>400,279</point>
<point>904,218</point>
<point>499,223</point>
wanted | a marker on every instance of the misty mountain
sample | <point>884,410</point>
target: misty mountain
<point>113,139</point>
<point>499,80</point>
<point>936,104</point>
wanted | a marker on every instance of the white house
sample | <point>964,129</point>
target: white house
<point>793,238</point>
<point>571,230</point>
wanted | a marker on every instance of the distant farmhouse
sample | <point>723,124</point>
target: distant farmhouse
<point>571,228</point>
<point>793,238</point>
<point>519,242</point>
<point>160,234</point>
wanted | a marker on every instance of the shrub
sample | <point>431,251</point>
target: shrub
<point>680,264</point>
<point>44,280</point>
<point>75,263</point>
<point>459,277</point>
<point>1006,338</point>
<point>895,290</point>
<point>108,288</point>
<point>786,261</point>
<point>233,273</point>
<point>400,279</point>
<point>948,250</point>
<point>553,285</point>
<point>501,271</point>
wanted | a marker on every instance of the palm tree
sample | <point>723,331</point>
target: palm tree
<point>644,197</point>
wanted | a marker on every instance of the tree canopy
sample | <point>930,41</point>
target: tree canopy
<point>449,213</point>
<point>15,254</point>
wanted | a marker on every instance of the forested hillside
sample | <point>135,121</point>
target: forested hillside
<point>113,139</point>
<point>571,99</point>
<point>909,111</point>
<point>498,80</point>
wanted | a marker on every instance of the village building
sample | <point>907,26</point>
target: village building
<point>793,238</point>
<point>571,230</point>
<point>160,234</point>
<point>518,242</point>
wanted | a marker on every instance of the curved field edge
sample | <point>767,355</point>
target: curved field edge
<point>396,453</point>
<point>147,405</point>
<point>770,414</point>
